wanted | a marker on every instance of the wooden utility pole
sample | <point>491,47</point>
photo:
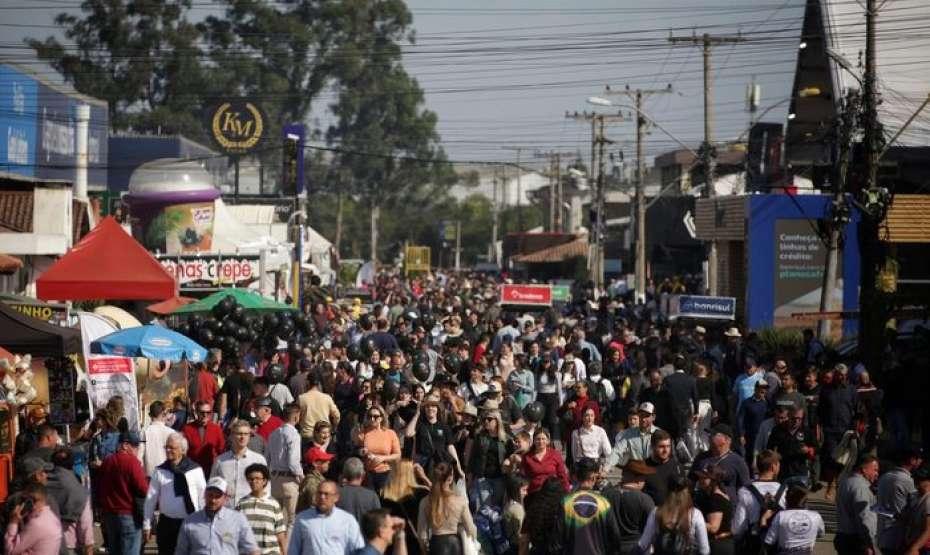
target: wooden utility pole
<point>638,211</point>
<point>708,152</point>
<point>598,227</point>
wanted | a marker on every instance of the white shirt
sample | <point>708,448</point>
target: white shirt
<point>698,533</point>
<point>794,528</point>
<point>746,515</point>
<point>161,495</point>
<point>591,443</point>
<point>153,454</point>
<point>232,469</point>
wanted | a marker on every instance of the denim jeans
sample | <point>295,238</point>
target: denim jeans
<point>121,535</point>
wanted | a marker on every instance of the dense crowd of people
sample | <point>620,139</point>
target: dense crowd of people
<point>438,421</point>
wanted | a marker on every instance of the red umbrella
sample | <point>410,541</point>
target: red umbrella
<point>170,305</point>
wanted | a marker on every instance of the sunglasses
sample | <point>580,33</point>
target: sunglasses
<point>490,419</point>
<point>374,415</point>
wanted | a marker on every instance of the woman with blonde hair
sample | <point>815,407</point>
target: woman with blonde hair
<point>676,527</point>
<point>402,496</point>
<point>442,513</point>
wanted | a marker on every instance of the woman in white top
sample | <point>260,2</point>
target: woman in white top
<point>590,440</point>
<point>795,529</point>
<point>676,526</point>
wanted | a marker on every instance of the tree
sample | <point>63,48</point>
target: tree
<point>387,142</point>
<point>142,57</point>
<point>277,53</point>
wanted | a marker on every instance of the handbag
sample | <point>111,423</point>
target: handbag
<point>470,545</point>
<point>843,451</point>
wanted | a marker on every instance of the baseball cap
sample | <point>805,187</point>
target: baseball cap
<point>316,454</point>
<point>263,402</point>
<point>217,483</point>
<point>131,437</point>
<point>494,387</point>
<point>647,407</point>
<point>35,464</point>
<point>723,429</point>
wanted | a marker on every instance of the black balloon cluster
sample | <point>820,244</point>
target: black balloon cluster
<point>230,326</point>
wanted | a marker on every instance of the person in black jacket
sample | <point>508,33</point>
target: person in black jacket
<point>682,389</point>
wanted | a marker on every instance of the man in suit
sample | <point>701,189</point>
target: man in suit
<point>682,388</point>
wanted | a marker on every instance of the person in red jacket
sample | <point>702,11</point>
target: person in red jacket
<point>204,437</point>
<point>125,482</point>
<point>575,407</point>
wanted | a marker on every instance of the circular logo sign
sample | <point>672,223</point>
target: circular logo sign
<point>237,126</point>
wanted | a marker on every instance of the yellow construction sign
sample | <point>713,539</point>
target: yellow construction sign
<point>416,259</point>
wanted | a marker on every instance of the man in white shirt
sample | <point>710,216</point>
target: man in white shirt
<point>231,465</point>
<point>156,434</point>
<point>173,503</point>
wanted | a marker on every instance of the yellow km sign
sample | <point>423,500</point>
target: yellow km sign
<point>237,126</point>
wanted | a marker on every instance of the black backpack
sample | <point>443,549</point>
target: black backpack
<point>767,502</point>
<point>670,541</point>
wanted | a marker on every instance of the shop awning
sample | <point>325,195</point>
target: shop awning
<point>107,264</point>
<point>23,334</point>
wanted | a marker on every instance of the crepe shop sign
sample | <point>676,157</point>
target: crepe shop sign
<point>535,295</point>
<point>212,271</point>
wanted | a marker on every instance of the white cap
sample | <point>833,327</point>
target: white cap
<point>647,407</point>
<point>700,329</point>
<point>217,483</point>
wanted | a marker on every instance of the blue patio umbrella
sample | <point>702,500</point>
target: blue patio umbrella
<point>149,341</point>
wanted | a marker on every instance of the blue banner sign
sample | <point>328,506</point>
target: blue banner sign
<point>702,308</point>
<point>18,110</point>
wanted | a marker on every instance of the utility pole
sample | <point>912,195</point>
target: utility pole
<point>708,152</point>
<point>555,187</point>
<point>639,216</point>
<point>598,227</point>
<point>495,211</point>
<point>458,245</point>
<point>839,213</point>
<point>518,150</point>
<point>872,312</point>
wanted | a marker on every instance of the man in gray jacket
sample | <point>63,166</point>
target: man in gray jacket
<point>856,521</point>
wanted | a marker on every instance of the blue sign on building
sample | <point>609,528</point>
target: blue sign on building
<point>56,155</point>
<point>18,129</point>
<point>702,307</point>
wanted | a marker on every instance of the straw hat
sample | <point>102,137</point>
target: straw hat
<point>732,332</point>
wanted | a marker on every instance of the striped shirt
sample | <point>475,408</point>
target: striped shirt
<point>267,521</point>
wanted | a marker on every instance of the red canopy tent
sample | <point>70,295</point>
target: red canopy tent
<point>106,264</point>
